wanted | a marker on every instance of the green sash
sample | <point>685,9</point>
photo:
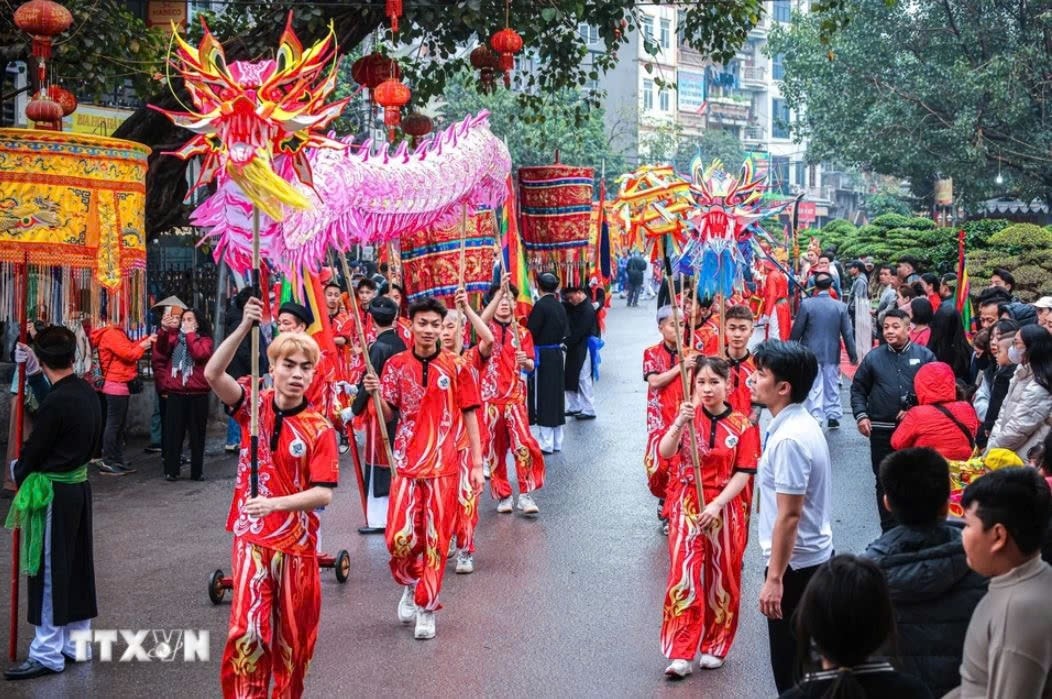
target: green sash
<point>29,510</point>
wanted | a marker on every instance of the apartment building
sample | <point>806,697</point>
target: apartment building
<point>661,86</point>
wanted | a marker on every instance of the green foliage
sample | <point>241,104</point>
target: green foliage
<point>885,202</point>
<point>535,143</point>
<point>667,143</point>
<point>914,89</point>
<point>106,46</point>
<point>1022,236</point>
<point>891,221</point>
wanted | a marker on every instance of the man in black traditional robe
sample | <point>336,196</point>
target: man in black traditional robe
<point>388,343</point>
<point>583,324</point>
<point>548,327</point>
<point>57,537</point>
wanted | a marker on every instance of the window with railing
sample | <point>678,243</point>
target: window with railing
<point>779,118</point>
<point>648,94</point>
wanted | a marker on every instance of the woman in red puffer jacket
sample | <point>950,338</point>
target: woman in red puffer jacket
<point>188,348</point>
<point>939,420</point>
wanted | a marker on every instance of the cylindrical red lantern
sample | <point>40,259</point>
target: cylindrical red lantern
<point>42,19</point>
<point>392,95</point>
<point>487,62</point>
<point>373,69</point>
<point>507,43</point>
<point>44,109</point>
<point>394,11</point>
<point>417,125</point>
<point>66,99</point>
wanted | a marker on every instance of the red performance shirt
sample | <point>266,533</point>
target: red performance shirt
<point>297,451</point>
<point>405,330</point>
<point>707,336</point>
<point>738,393</point>
<point>662,403</point>
<point>727,443</point>
<point>431,395</point>
<point>501,379</point>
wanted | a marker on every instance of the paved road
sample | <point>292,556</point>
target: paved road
<point>568,604</point>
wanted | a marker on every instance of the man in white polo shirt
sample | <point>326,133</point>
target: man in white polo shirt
<point>794,484</point>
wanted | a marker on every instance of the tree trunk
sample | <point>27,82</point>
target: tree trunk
<point>166,185</point>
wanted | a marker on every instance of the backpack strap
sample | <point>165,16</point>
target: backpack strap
<point>967,433</point>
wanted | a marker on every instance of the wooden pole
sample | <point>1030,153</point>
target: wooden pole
<point>19,408</point>
<point>694,457</point>
<point>377,400</point>
<point>253,429</point>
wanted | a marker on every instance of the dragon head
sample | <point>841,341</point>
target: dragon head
<point>247,116</point>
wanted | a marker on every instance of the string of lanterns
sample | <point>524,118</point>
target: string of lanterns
<point>382,75</point>
<point>43,20</point>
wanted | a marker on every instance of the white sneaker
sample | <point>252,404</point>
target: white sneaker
<point>678,669</point>
<point>407,605</point>
<point>465,562</point>
<point>452,547</point>
<point>425,625</point>
<point>505,505</point>
<point>710,662</point>
<point>527,505</point>
<point>485,470</point>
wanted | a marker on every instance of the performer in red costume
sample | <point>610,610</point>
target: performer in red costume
<point>503,387</point>
<point>452,338</point>
<point>664,394</point>
<point>738,327</point>
<point>277,595</point>
<point>294,318</point>
<point>776,302</point>
<point>706,335</point>
<point>437,402</point>
<point>706,546</point>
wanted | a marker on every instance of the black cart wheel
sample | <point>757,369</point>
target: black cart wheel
<point>216,592</point>
<point>342,566</point>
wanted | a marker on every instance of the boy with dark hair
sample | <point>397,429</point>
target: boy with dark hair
<point>932,589</point>
<point>738,327</point>
<point>793,482</point>
<point>1007,651</point>
<point>503,392</point>
<point>53,509</point>
<point>436,399</point>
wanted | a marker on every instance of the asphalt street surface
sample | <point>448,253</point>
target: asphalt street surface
<point>564,604</point>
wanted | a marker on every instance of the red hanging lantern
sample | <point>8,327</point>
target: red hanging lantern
<point>507,43</point>
<point>417,125</point>
<point>66,99</point>
<point>44,110</point>
<point>394,11</point>
<point>392,95</point>
<point>487,62</point>
<point>42,20</point>
<point>373,69</point>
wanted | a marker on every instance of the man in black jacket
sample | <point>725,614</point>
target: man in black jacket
<point>636,269</point>
<point>882,391</point>
<point>932,588</point>
<point>580,315</point>
<point>384,312</point>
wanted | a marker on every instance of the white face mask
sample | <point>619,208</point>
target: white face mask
<point>1015,355</point>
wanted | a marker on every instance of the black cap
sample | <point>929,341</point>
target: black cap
<point>295,309</point>
<point>548,282</point>
<point>383,309</point>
